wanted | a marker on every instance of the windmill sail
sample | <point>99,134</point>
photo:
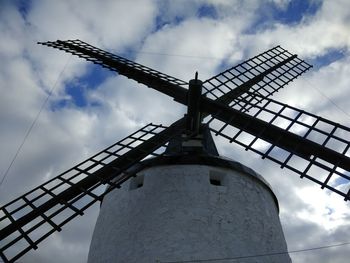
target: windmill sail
<point>311,146</point>
<point>142,74</point>
<point>263,75</point>
<point>32,217</point>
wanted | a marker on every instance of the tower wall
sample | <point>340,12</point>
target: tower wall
<point>189,212</point>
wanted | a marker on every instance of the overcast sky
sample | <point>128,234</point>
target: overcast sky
<point>90,108</point>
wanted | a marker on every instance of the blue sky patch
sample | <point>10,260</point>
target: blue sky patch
<point>292,14</point>
<point>78,88</point>
<point>23,7</point>
<point>77,91</point>
<point>296,10</point>
<point>161,22</point>
<point>328,58</point>
<point>204,11</point>
<point>208,11</point>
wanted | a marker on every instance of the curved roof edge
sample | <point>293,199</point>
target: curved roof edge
<point>204,159</point>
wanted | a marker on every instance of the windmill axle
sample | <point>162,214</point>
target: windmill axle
<point>193,105</point>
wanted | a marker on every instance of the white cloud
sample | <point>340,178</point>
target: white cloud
<point>314,35</point>
<point>67,135</point>
<point>202,38</point>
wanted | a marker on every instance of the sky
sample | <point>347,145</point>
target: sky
<point>89,108</point>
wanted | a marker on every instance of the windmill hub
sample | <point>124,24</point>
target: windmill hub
<point>200,143</point>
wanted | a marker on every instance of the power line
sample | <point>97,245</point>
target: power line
<point>33,123</point>
<point>328,98</point>
<point>324,95</point>
<point>260,255</point>
<point>176,55</point>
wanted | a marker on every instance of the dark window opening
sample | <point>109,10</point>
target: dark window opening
<point>215,182</point>
<point>136,182</point>
<point>217,178</point>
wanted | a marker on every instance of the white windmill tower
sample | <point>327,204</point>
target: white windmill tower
<point>188,203</point>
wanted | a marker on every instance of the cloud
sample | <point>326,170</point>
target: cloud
<point>177,39</point>
<point>314,36</point>
<point>202,38</point>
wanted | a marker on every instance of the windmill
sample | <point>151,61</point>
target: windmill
<point>235,105</point>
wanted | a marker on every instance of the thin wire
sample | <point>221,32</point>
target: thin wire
<point>33,123</point>
<point>176,55</point>
<point>328,98</point>
<point>324,95</point>
<point>260,255</point>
